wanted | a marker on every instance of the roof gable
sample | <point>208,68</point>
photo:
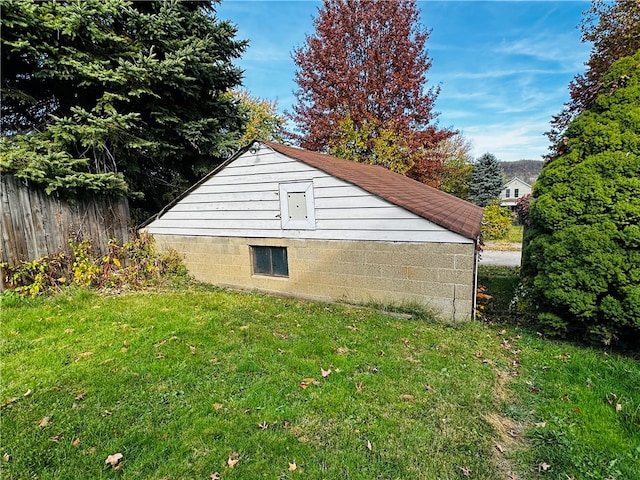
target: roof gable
<point>441,208</point>
<point>516,180</point>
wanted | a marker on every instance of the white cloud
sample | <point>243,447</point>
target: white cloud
<point>509,141</point>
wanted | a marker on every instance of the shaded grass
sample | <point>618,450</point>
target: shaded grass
<point>566,397</point>
<point>571,395</point>
<point>501,284</point>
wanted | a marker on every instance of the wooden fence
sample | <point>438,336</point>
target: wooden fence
<point>34,224</point>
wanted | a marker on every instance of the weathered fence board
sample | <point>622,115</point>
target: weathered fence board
<point>35,224</point>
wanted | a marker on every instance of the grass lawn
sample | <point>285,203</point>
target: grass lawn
<point>204,383</point>
<point>513,240</point>
<point>515,234</point>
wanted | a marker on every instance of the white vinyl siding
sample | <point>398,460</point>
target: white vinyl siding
<point>515,188</point>
<point>243,200</point>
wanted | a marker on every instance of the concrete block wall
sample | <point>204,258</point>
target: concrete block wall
<point>439,276</point>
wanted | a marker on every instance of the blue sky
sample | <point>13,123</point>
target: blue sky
<point>503,67</point>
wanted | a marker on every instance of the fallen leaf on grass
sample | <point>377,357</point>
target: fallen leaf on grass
<point>263,425</point>
<point>76,442</point>
<point>55,438</point>
<point>369,446</point>
<point>233,459</point>
<point>27,393</point>
<point>6,457</point>
<point>353,328</point>
<point>192,349</point>
<point>309,381</point>
<point>407,398</point>
<point>565,357</point>
<point>114,460</point>
<point>429,388</point>
<point>214,476</point>
<point>543,467</point>
<point>359,387</point>
<point>540,424</point>
<point>160,343</point>
<point>292,466</point>
<point>69,330</point>
<point>9,402</point>
<point>500,448</point>
<point>218,406</point>
<point>618,407</point>
<point>325,373</point>
<point>44,422</point>
<point>466,471</point>
<point>282,336</point>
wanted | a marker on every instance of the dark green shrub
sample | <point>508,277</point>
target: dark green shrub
<point>582,255</point>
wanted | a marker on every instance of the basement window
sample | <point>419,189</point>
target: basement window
<point>297,208</point>
<point>270,261</point>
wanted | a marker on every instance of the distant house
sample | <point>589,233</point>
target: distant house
<point>512,191</point>
<point>281,219</point>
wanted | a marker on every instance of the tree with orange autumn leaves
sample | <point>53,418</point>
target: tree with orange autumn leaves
<point>362,94</point>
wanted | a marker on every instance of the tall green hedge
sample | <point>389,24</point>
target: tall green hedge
<point>581,264</point>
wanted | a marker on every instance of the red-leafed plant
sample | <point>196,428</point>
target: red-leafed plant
<point>361,79</point>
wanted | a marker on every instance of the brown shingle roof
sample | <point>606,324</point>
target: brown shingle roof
<point>430,203</point>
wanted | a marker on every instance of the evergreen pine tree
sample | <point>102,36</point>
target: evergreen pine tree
<point>97,90</point>
<point>487,179</point>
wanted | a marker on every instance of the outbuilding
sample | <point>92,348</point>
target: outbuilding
<point>282,219</point>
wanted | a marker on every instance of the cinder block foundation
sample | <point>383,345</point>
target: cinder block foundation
<point>439,276</point>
